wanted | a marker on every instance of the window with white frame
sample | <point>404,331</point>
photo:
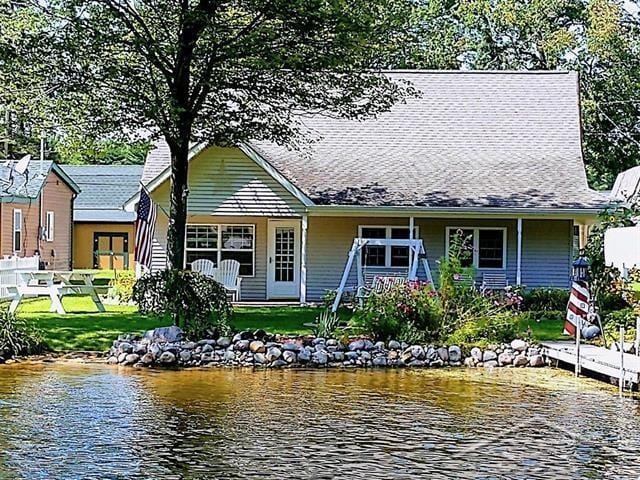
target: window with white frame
<point>489,246</point>
<point>17,230</point>
<point>48,226</point>
<point>388,256</point>
<point>217,242</point>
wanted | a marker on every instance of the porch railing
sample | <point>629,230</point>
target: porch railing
<point>9,269</point>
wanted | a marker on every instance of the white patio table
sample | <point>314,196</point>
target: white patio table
<point>55,285</point>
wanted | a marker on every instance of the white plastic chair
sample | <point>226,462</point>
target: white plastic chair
<point>204,266</point>
<point>227,274</point>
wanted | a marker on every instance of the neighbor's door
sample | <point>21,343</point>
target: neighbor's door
<point>111,251</point>
<point>283,260</point>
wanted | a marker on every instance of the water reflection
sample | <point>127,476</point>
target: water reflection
<point>65,421</point>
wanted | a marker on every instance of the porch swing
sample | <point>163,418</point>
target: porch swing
<point>381,282</point>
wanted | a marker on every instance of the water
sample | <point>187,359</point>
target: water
<point>65,421</point>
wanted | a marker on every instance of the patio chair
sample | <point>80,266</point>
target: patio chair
<point>204,266</point>
<point>227,274</point>
<point>494,281</point>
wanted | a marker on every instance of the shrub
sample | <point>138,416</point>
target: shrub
<point>18,337</point>
<point>326,324</point>
<point>121,287</point>
<point>499,328</point>
<point>196,303</point>
<point>545,299</point>
<point>383,316</point>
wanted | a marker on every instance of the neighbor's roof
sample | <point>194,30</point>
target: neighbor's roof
<point>105,188</point>
<point>471,140</point>
<point>16,186</point>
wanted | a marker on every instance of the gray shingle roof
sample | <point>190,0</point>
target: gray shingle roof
<point>471,140</point>
<point>14,185</point>
<point>105,188</point>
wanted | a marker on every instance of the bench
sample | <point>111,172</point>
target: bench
<point>494,281</point>
<point>379,285</point>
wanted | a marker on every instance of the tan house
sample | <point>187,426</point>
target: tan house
<point>103,233</point>
<point>36,208</point>
<point>495,155</point>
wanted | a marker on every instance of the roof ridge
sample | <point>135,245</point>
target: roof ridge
<point>488,72</point>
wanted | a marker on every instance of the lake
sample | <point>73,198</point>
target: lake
<point>68,421</point>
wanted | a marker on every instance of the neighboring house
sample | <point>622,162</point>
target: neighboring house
<point>103,233</point>
<point>36,210</point>
<point>495,154</point>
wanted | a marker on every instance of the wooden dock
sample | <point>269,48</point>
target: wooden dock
<point>596,359</point>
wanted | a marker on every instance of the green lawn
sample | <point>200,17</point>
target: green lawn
<point>83,328</point>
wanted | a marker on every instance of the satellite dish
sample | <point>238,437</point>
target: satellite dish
<point>23,164</point>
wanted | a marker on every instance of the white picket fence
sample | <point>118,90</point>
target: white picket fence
<point>9,268</point>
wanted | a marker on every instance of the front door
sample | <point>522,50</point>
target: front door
<point>111,251</point>
<point>283,260</point>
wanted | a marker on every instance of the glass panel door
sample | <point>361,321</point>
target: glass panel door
<point>284,254</point>
<point>283,279</point>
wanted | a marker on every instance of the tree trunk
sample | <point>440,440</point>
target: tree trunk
<point>178,198</point>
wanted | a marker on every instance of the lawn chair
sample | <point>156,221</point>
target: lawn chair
<point>204,266</point>
<point>380,284</point>
<point>494,281</point>
<point>228,275</point>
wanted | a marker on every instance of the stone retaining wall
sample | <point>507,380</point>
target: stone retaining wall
<point>259,349</point>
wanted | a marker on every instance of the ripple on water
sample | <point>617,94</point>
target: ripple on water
<point>60,421</point>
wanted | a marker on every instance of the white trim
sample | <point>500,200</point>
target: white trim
<point>519,253</point>
<point>274,289</point>
<point>304,224</point>
<point>15,230</point>
<point>476,244</point>
<point>219,248</point>
<point>387,255</point>
<point>49,225</point>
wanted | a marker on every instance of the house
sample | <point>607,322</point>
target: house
<point>496,155</point>
<point>36,208</point>
<point>103,233</point>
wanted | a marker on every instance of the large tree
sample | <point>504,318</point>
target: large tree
<point>220,71</point>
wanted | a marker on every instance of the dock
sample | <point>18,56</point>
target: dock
<point>597,359</point>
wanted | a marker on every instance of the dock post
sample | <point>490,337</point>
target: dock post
<point>637,346</point>
<point>621,380</point>
<point>578,332</point>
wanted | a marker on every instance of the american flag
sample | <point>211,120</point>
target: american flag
<point>145,228</point>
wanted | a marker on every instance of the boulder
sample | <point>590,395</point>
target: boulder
<point>455,354</point>
<point>289,356</point>
<point>520,361</point>
<point>223,342</point>
<point>379,346</point>
<point>165,334</point>
<point>443,353</point>
<point>185,355</point>
<point>394,345</point>
<point>490,364</point>
<point>489,356</point>
<point>155,350</point>
<point>147,359</point>
<point>279,363</point>
<point>167,358</point>
<point>406,355</point>
<point>476,353</point>
<point>364,355</point>
<point>416,363</point>
<point>417,352</point>
<point>356,345</point>
<point>125,347</point>
<point>259,358</point>
<point>436,363</point>
<point>380,361</point>
<point>290,347</point>
<point>536,361</point>
<point>122,357</point>
<point>257,346</point>
<point>229,356</point>
<point>320,358</point>
<point>318,340</point>
<point>505,358</point>
<point>273,354</point>
<point>338,356</point>
<point>111,361</point>
<point>332,342</point>
<point>140,349</point>
<point>207,349</point>
<point>241,345</point>
<point>304,356</point>
<point>351,356</point>
<point>189,345</point>
<point>470,362</point>
<point>519,345</point>
<point>368,344</point>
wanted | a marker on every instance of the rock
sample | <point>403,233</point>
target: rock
<point>431,354</point>
<point>257,346</point>
<point>167,358</point>
<point>289,356</point>
<point>489,356</point>
<point>241,345</point>
<point>332,342</point>
<point>365,356</point>
<point>531,351</point>
<point>455,354</point>
<point>417,352</point>
<point>290,347</point>
<point>140,349</point>
<point>304,356</point>
<point>229,356</point>
<point>259,358</point>
<point>320,347</point>
<point>443,353</point>
<point>519,345</point>
<point>185,355</point>
<point>393,354</point>
<point>189,346</point>
<point>170,334</point>
<point>436,363</point>
<point>122,357</point>
<point>338,356</point>
<point>125,347</point>
<point>406,355</point>
<point>416,363</point>
<point>317,341</point>
<point>278,363</point>
<point>476,353</point>
<point>368,344</point>
<point>470,362</point>
<point>379,346</point>
<point>320,358</point>
<point>273,354</point>
<point>520,361</point>
<point>505,358</point>
<point>111,361</point>
<point>223,342</point>
<point>351,356</point>
<point>490,364</point>
<point>356,345</point>
<point>380,362</point>
<point>536,361</point>
<point>155,350</point>
<point>147,359</point>
<point>207,349</point>
<point>394,345</point>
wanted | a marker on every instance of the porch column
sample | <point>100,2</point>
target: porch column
<point>411,227</point>
<point>519,254</point>
<point>303,259</point>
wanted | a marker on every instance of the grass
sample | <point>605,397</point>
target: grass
<point>83,328</point>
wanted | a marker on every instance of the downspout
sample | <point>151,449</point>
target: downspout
<point>73,198</point>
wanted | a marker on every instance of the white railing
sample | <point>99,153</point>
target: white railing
<point>9,268</point>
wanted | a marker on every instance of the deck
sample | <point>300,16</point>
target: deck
<point>596,359</point>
